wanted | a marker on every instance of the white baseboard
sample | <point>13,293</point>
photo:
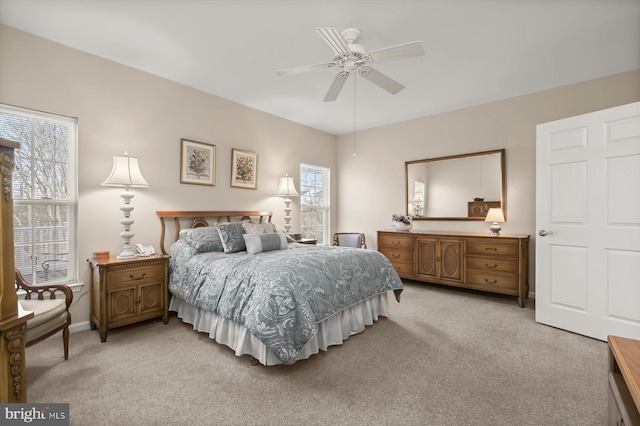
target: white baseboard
<point>80,326</point>
<point>532,295</point>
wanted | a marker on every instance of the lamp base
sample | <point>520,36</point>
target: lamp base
<point>495,229</point>
<point>125,255</point>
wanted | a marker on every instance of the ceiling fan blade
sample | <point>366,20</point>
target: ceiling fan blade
<point>336,86</point>
<point>406,50</point>
<point>305,68</point>
<point>381,80</point>
<point>335,40</point>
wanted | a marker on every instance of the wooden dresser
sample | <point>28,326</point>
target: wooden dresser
<point>471,260</point>
<point>624,381</point>
<point>128,291</point>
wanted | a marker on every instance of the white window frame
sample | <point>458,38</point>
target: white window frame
<point>323,237</point>
<point>34,269</point>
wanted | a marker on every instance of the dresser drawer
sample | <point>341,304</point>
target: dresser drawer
<point>135,274</point>
<point>398,255</point>
<point>507,282</point>
<point>403,269</point>
<point>491,248</point>
<point>489,264</point>
<point>395,242</point>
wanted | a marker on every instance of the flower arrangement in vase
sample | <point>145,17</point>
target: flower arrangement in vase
<point>401,222</point>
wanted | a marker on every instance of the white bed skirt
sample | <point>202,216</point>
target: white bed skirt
<point>332,331</point>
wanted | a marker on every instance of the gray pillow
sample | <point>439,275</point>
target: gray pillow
<point>259,228</point>
<point>231,236</point>
<point>257,243</point>
<point>202,239</point>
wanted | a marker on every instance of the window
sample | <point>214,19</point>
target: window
<point>418,198</point>
<point>314,202</point>
<point>44,193</point>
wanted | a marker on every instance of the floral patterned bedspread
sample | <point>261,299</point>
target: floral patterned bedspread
<point>281,295</point>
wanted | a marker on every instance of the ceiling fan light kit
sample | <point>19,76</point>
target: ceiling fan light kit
<point>351,56</point>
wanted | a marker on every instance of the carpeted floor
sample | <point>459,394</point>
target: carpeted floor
<point>443,357</point>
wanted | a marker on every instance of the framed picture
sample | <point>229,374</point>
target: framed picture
<point>244,169</point>
<point>197,163</point>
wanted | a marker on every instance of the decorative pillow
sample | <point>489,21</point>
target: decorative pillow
<point>257,243</point>
<point>231,236</point>
<point>259,228</point>
<point>202,239</point>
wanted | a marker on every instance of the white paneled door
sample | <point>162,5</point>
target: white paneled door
<point>588,223</point>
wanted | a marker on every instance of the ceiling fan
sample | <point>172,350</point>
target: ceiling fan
<point>351,56</point>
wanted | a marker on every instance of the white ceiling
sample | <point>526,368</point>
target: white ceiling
<point>476,50</point>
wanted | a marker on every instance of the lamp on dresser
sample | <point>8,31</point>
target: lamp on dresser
<point>287,189</point>
<point>495,216</point>
<point>126,173</point>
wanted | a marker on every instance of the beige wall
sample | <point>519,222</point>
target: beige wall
<point>119,108</point>
<point>371,185</point>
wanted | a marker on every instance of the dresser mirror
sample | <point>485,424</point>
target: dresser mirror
<point>458,187</point>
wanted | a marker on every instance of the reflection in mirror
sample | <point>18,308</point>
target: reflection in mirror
<point>460,187</point>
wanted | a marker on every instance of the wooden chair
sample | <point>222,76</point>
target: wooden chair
<point>349,239</point>
<point>51,314</point>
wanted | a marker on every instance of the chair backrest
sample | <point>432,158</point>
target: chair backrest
<point>349,239</point>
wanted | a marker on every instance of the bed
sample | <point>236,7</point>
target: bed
<point>235,276</point>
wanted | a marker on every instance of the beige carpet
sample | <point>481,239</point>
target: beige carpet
<point>443,357</point>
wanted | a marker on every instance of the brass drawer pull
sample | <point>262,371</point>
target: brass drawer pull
<point>490,282</point>
<point>395,243</point>
<point>131,277</point>
<point>395,256</point>
<point>491,267</point>
<point>491,248</point>
<point>138,300</point>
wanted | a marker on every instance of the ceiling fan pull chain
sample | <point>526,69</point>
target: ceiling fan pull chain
<point>355,78</point>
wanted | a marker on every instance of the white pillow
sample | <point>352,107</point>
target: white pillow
<point>258,243</point>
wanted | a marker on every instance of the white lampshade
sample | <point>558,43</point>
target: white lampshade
<point>125,172</point>
<point>494,215</point>
<point>418,197</point>
<point>287,187</point>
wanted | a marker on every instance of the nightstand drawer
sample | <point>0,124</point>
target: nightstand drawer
<point>491,248</point>
<point>139,273</point>
<point>490,264</point>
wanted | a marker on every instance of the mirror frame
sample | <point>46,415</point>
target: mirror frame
<point>503,192</point>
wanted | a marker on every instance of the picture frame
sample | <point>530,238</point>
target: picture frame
<point>197,163</point>
<point>244,169</point>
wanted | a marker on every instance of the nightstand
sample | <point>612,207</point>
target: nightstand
<point>310,241</point>
<point>128,291</point>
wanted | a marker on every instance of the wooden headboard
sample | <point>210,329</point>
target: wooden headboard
<point>196,219</point>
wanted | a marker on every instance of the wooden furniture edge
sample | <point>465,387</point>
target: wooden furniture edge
<point>199,219</point>
<point>455,233</point>
<point>625,350</point>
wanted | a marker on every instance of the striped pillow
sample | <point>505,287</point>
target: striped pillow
<point>257,243</point>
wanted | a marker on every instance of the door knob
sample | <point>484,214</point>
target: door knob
<point>544,233</point>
